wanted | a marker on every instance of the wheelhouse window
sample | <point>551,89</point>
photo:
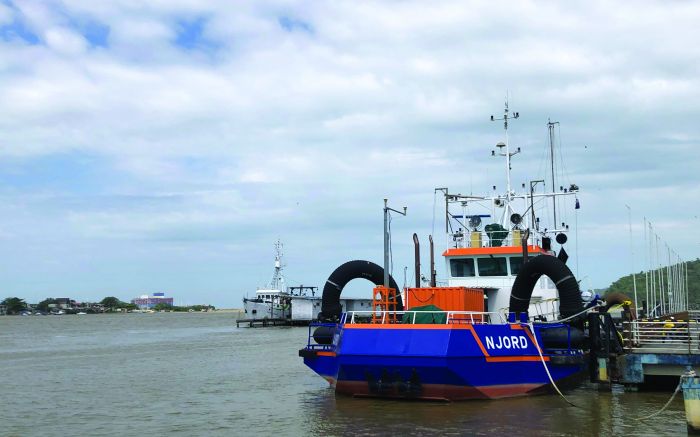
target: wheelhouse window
<point>462,268</point>
<point>515,263</point>
<point>493,266</point>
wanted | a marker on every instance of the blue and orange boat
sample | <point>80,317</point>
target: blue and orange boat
<point>508,322</point>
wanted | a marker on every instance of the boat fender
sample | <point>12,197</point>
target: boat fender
<point>570,302</point>
<point>562,337</point>
<point>324,334</point>
<point>330,301</point>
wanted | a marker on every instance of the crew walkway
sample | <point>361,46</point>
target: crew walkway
<point>661,347</point>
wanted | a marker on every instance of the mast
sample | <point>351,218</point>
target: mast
<point>277,278</point>
<point>634,275</point>
<point>387,237</point>
<point>508,155</point>
<point>386,244</point>
<point>550,126</point>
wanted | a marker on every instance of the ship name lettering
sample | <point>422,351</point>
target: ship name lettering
<point>506,342</point>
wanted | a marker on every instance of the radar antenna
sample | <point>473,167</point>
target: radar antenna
<point>507,115</point>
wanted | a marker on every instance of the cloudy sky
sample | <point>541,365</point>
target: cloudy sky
<point>165,145</point>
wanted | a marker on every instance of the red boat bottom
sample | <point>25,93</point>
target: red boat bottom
<point>439,392</point>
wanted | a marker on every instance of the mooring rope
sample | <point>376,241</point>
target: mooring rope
<point>551,380</point>
<point>675,392</point>
<point>549,375</point>
<point>570,317</point>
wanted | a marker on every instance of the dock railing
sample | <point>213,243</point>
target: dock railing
<point>410,317</point>
<point>663,335</point>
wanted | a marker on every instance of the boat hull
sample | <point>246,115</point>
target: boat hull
<point>442,362</point>
<point>258,310</point>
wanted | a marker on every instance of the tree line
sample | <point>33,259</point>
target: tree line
<point>15,305</point>
<point>625,285</point>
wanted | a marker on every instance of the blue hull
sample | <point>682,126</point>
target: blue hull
<point>445,362</point>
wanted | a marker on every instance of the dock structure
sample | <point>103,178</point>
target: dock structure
<point>659,347</point>
<point>255,323</point>
<point>648,351</point>
<point>264,323</point>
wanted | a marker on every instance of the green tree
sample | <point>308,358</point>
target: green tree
<point>162,306</point>
<point>44,304</point>
<point>14,305</point>
<point>112,302</point>
<point>625,285</point>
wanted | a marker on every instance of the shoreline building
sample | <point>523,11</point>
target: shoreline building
<point>148,302</point>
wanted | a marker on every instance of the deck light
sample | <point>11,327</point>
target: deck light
<point>516,218</point>
<point>474,222</point>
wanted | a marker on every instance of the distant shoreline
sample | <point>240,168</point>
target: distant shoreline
<point>223,310</point>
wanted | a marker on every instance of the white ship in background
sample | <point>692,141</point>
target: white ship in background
<point>273,301</point>
<point>289,305</point>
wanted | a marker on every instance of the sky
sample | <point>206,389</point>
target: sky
<point>165,145</point>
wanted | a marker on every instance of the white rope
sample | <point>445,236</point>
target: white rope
<point>549,375</point>
<point>570,317</point>
<point>675,392</point>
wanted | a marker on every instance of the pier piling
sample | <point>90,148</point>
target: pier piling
<point>690,383</point>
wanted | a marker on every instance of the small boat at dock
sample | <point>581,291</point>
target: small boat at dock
<point>276,304</point>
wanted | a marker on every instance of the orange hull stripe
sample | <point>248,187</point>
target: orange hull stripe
<point>532,338</point>
<point>511,359</point>
<point>404,326</point>
<point>478,341</point>
<point>325,353</point>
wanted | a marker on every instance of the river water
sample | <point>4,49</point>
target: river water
<point>197,374</point>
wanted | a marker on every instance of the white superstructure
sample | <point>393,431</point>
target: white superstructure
<point>489,255</point>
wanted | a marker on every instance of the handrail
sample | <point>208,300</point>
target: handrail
<point>677,335</point>
<point>473,317</point>
<point>463,239</point>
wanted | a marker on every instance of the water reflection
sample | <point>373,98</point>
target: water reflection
<point>601,413</point>
<point>196,374</point>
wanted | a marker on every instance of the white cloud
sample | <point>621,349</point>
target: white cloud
<point>65,41</point>
<point>6,15</point>
<point>359,101</point>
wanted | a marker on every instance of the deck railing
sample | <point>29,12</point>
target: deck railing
<point>673,336</point>
<point>463,239</point>
<point>409,317</point>
<point>542,310</point>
